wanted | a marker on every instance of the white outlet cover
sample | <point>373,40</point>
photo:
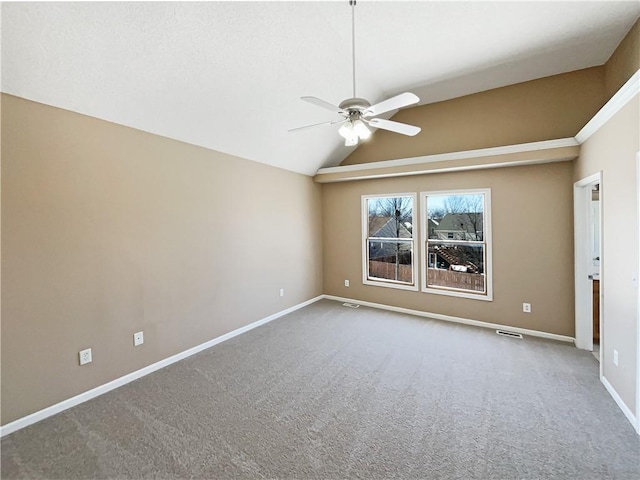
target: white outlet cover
<point>282,292</point>
<point>85,356</point>
<point>138,339</point>
<point>346,283</point>
<point>615,357</point>
<point>526,307</point>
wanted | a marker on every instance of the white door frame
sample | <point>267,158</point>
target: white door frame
<point>583,262</point>
<point>637,280</point>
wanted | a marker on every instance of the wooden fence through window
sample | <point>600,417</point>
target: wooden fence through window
<point>435,276</point>
<point>449,278</point>
<point>387,271</point>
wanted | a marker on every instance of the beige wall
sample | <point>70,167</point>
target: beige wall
<point>548,108</point>
<point>532,245</point>
<point>545,109</point>
<point>107,230</point>
<point>612,150</point>
<point>624,62</point>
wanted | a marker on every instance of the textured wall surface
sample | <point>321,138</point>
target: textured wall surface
<point>545,109</point>
<point>624,62</point>
<point>612,150</point>
<point>532,245</point>
<point>107,231</point>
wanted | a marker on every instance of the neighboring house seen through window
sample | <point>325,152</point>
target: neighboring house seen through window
<point>388,241</point>
<point>456,246</point>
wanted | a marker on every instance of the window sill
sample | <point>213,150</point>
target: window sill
<point>390,284</point>
<point>456,293</point>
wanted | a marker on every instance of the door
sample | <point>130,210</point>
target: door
<point>594,235</point>
<point>588,259</point>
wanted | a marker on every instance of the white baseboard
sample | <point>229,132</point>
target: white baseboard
<point>628,413</point>
<point>449,318</point>
<point>118,382</point>
<point>534,333</point>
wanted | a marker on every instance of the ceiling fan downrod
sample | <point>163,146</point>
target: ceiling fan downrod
<point>353,42</point>
<point>357,113</point>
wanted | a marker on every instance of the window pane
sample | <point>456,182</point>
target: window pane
<point>391,217</point>
<point>456,266</point>
<point>455,217</point>
<point>391,260</point>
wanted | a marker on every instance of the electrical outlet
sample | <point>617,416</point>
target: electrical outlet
<point>615,357</point>
<point>85,356</point>
<point>138,339</point>
<point>282,292</point>
<point>346,283</point>
<point>526,307</point>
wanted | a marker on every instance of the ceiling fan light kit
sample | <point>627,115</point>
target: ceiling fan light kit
<point>354,130</point>
<point>357,113</point>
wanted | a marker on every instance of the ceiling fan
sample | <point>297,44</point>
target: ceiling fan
<point>357,113</point>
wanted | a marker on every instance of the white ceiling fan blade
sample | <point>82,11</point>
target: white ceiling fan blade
<point>392,103</point>
<point>321,103</point>
<point>333,122</point>
<point>392,126</point>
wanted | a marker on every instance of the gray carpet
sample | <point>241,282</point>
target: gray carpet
<point>332,392</point>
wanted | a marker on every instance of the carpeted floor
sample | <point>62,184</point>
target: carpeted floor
<point>333,392</point>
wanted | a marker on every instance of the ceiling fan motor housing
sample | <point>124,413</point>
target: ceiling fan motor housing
<point>358,111</point>
<point>354,106</point>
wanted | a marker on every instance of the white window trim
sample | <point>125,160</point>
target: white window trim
<point>364,213</point>
<point>488,267</point>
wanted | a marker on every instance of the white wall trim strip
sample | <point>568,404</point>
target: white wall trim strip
<point>118,382</point>
<point>637,280</point>
<point>449,318</point>
<point>463,155</point>
<point>466,168</point>
<point>629,90</point>
<point>612,391</point>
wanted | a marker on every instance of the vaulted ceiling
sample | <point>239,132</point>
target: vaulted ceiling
<point>228,75</point>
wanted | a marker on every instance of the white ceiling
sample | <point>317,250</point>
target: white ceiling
<point>228,75</point>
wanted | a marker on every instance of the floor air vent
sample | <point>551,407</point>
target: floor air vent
<point>350,305</point>
<point>508,334</point>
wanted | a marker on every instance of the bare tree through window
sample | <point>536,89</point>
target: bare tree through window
<point>390,238</point>
<point>455,244</point>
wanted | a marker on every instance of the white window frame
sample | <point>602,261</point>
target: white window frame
<point>424,236</point>
<point>365,246</point>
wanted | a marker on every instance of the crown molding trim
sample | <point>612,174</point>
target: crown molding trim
<point>548,151</point>
<point>622,97</point>
<point>463,155</point>
<point>483,166</point>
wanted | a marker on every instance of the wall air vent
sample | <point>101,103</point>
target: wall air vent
<point>350,305</point>
<point>508,334</point>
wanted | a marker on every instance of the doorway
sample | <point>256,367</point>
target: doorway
<point>588,212</point>
<point>635,279</point>
<point>594,276</point>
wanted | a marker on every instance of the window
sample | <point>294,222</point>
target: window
<point>457,243</point>
<point>388,241</point>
